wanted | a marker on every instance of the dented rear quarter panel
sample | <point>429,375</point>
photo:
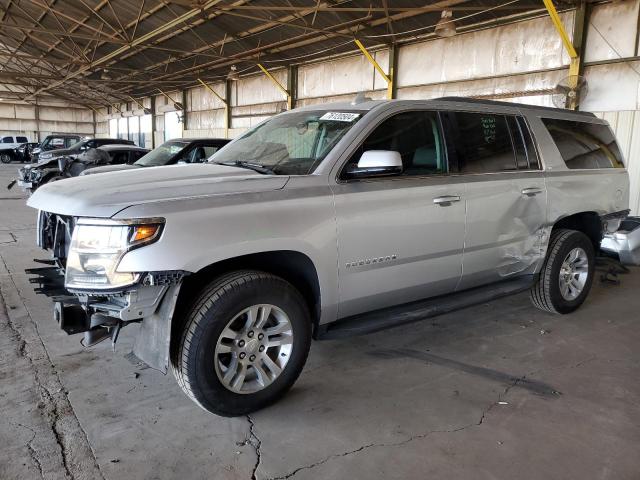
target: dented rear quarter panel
<point>571,191</point>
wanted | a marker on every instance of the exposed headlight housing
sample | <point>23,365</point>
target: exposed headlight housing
<point>98,245</point>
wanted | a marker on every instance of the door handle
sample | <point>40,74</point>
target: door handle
<point>531,192</point>
<point>446,200</point>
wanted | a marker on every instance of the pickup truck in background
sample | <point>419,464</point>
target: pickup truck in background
<point>9,146</point>
<point>55,142</point>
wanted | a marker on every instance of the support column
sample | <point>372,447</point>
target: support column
<point>153,121</point>
<point>580,28</point>
<point>227,108</point>
<point>37,115</point>
<point>392,89</point>
<point>292,86</point>
<point>184,110</point>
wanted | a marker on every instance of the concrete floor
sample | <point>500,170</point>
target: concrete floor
<point>499,391</point>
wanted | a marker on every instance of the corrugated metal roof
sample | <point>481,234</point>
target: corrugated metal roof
<point>103,50</point>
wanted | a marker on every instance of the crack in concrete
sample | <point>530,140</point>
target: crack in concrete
<point>256,443</point>
<point>412,438</point>
<point>45,395</point>
<point>54,399</point>
<point>32,452</point>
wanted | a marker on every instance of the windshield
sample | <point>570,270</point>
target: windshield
<point>162,155</point>
<point>289,144</point>
<point>77,145</point>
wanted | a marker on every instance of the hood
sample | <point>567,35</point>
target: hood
<point>108,168</point>
<point>51,154</point>
<point>45,162</point>
<point>105,195</point>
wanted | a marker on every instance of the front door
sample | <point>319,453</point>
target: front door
<point>398,241</point>
<point>505,195</point>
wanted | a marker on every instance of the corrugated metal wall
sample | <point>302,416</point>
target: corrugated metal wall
<point>53,117</point>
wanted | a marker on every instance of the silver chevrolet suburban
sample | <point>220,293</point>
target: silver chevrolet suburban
<point>324,221</point>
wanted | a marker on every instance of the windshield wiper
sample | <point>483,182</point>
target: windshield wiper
<point>256,167</point>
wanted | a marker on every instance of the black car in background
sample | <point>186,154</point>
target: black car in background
<point>80,147</point>
<point>30,177</point>
<point>179,150</point>
<point>25,151</point>
<point>55,141</point>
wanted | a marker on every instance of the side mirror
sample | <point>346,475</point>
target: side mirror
<point>376,163</point>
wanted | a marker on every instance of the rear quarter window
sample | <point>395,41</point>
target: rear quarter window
<point>585,145</point>
<point>22,140</point>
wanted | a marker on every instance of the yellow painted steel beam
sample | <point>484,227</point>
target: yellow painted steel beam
<point>137,102</point>
<point>555,18</point>
<point>212,91</point>
<point>226,106</point>
<point>388,78</point>
<point>277,84</point>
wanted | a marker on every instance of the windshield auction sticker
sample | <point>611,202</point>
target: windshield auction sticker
<point>340,116</point>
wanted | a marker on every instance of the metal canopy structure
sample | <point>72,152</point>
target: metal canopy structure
<point>98,52</point>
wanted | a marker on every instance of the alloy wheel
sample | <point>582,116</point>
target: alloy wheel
<point>253,349</point>
<point>574,273</point>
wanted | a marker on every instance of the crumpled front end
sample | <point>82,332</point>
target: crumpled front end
<point>30,177</point>
<point>101,313</point>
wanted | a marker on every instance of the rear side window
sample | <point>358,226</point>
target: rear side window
<point>585,145</point>
<point>481,141</point>
<point>22,140</point>
<point>68,142</point>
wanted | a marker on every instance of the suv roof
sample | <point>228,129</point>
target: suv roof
<point>371,104</point>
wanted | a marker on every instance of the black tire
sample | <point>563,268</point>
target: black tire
<point>192,359</point>
<point>546,294</point>
<point>6,158</point>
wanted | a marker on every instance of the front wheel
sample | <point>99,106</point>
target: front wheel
<point>567,272</point>
<point>244,344</point>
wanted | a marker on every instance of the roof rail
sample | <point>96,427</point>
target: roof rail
<point>478,101</point>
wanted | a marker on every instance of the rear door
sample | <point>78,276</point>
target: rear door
<point>397,241</point>
<point>505,195</point>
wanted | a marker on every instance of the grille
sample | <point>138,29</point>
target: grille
<point>54,234</point>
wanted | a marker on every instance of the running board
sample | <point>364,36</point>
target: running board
<point>412,312</point>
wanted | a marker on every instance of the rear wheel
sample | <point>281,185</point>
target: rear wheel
<point>6,157</point>
<point>567,273</point>
<point>244,343</point>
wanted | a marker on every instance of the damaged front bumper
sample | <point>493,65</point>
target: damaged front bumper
<point>102,315</point>
<point>26,179</point>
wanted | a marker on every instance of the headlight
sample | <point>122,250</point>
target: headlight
<point>98,245</point>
